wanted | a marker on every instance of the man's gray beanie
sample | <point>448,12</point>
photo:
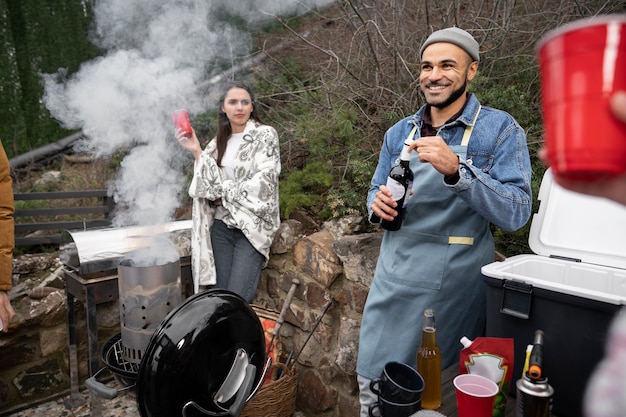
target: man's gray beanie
<point>456,36</point>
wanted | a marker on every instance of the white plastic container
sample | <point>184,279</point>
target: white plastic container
<point>570,288</point>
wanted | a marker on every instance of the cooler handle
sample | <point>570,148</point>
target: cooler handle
<point>516,299</point>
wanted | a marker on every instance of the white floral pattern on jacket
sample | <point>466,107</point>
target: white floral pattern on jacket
<point>251,199</point>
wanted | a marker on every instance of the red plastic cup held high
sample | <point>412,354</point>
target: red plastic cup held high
<point>181,121</point>
<point>582,65</point>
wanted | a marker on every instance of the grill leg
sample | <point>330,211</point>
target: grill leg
<point>92,329</point>
<point>92,341</point>
<point>76,399</point>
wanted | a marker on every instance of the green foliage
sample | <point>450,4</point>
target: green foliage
<point>335,137</point>
<point>305,188</point>
<point>39,36</point>
<point>327,133</point>
<point>348,197</point>
<point>517,94</point>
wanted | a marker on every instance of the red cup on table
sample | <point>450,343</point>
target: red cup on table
<point>181,121</point>
<point>582,64</point>
<point>475,395</point>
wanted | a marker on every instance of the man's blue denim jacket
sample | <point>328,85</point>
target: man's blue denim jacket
<point>495,176</point>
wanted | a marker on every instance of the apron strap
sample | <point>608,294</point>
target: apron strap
<point>462,240</point>
<point>469,129</point>
<point>410,137</point>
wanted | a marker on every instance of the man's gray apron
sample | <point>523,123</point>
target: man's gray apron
<point>434,260</point>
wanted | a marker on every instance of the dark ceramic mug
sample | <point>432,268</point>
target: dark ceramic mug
<point>399,383</point>
<point>384,408</point>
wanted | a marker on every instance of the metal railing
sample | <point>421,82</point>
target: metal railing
<point>28,221</point>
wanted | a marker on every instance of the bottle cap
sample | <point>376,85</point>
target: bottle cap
<point>466,342</point>
<point>534,371</point>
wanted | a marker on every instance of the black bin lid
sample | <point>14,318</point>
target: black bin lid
<point>199,354</point>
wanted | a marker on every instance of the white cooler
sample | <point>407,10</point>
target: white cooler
<point>571,288</point>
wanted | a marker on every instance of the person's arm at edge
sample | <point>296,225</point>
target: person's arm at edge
<point>7,241</point>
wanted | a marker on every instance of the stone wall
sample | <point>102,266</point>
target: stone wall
<point>334,268</point>
<point>330,268</point>
<point>34,355</point>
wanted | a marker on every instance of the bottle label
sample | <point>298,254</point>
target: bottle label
<point>396,188</point>
<point>407,194</point>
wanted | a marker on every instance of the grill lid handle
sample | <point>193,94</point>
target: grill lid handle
<point>240,401</point>
<point>242,394</point>
<point>99,389</point>
<point>234,379</point>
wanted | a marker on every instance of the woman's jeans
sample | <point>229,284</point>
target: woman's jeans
<point>237,263</point>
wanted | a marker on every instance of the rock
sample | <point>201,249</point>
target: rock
<point>19,290</point>
<point>348,346</point>
<point>289,232</point>
<point>55,279</point>
<point>48,177</point>
<point>38,293</point>
<point>79,158</point>
<point>50,310</point>
<point>53,340</point>
<point>359,254</point>
<point>32,263</point>
<point>320,397</point>
<point>347,225</point>
<point>39,379</point>
<point>308,222</point>
<point>315,256</point>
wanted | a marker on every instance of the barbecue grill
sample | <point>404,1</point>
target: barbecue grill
<point>206,358</point>
<point>90,268</point>
<point>183,354</point>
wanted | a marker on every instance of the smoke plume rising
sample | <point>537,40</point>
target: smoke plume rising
<point>156,55</point>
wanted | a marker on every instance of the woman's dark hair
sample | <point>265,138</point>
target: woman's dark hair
<point>224,129</point>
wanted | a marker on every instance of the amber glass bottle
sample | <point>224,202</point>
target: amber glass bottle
<point>429,362</point>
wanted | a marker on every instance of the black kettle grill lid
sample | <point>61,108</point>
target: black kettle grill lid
<point>194,351</point>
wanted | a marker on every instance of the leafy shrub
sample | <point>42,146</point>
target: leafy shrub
<point>305,188</point>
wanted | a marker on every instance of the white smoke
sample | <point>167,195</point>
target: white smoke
<point>156,55</point>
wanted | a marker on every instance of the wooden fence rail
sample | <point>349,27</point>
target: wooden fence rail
<point>78,217</point>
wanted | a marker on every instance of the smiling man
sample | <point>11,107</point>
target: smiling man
<point>472,169</point>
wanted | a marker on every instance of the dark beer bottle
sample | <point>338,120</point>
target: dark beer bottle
<point>400,182</point>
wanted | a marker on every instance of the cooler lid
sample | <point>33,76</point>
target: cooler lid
<point>578,226</point>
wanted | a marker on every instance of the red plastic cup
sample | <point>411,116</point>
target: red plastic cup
<point>582,64</point>
<point>181,121</point>
<point>475,395</point>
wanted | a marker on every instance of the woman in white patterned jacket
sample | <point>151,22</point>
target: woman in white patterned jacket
<point>235,196</point>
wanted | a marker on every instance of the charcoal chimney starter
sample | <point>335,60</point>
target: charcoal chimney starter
<point>146,295</point>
